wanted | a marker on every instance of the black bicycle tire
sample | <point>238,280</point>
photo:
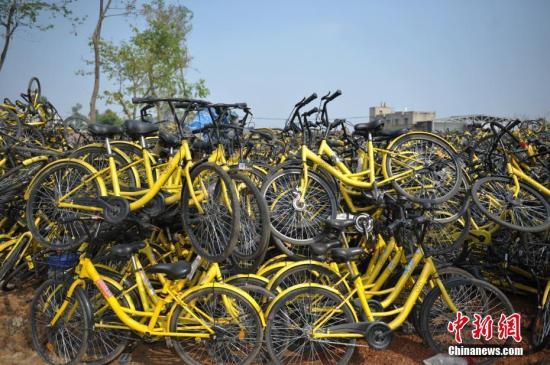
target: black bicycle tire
<point>447,148</point>
<point>264,217</point>
<point>494,218</point>
<point>175,315</point>
<point>185,212</point>
<point>87,324</point>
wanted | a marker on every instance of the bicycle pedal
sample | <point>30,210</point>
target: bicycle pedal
<point>125,358</point>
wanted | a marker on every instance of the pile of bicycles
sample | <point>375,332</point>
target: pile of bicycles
<point>507,171</point>
<point>241,245</point>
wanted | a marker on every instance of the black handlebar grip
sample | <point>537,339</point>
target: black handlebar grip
<point>513,124</point>
<point>477,125</point>
<point>336,94</point>
<point>309,112</point>
<point>309,99</point>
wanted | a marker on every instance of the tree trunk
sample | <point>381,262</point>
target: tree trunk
<point>96,39</point>
<point>10,28</point>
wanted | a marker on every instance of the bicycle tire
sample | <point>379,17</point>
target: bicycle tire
<point>211,300</point>
<point>82,321</point>
<point>536,198</point>
<point>323,201</point>
<point>104,346</point>
<point>212,248</point>
<point>14,256</point>
<point>475,301</point>
<point>292,338</point>
<point>446,148</point>
<point>253,240</point>
<point>35,80</point>
<point>34,210</point>
<point>540,337</point>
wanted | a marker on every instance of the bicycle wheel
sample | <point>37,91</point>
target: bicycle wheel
<point>34,91</point>
<point>65,342</point>
<point>14,255</point>
<point>540,328</point>
<point>442,239</point>
<point>292,317</point>
<point>105,344</point>
<point>254,218</point>
<point>306,273</point>
<point>32,136</point>
<point>61,228</point>
<point>528,211</point>
<point>533,252</point>
<point>292,221</point>
<point>214,232</point>
<point>18,177</point>
<point>470,296</point>
<point>237,326</point>
<point>263,297</point>
<point>438,176</point>
<point>452,272</point>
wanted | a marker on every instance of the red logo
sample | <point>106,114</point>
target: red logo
<point>103,288</point>
<point>457,326</point>
<point>508,326</point>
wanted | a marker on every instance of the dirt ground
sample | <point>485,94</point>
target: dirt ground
<point>16,346</point>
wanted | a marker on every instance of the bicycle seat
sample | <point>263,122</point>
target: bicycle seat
<point>174,271</point>
<point>168,139</point>
<point>139,128</point>
<point>127,249</point>
<point>346,254</point>
<point>339,224</point>
<point>363,129</point>
<point>104,129</point>
<point>321,248</point>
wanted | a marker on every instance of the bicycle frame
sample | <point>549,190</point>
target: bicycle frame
<point>368,285</point>
<point>158,325</point>
<point>517,174</point>
<point>365,179</point>
<point>429,271</point>
<point>182,156</point>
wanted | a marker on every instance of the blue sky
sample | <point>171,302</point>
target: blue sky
<point>454,57</point>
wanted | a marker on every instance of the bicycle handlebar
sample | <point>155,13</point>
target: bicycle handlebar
<point>306,101</point>
<point>309,112</point>
<point>184,101</point>
<point>337,122</point>
<point>334,95</point>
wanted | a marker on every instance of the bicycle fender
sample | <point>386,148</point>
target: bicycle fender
<point>296,264</point>
<point>229,287</point>
<point>441,139</point>
<point>309,285</point>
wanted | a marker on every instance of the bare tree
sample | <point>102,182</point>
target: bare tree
<point>107,8</point>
